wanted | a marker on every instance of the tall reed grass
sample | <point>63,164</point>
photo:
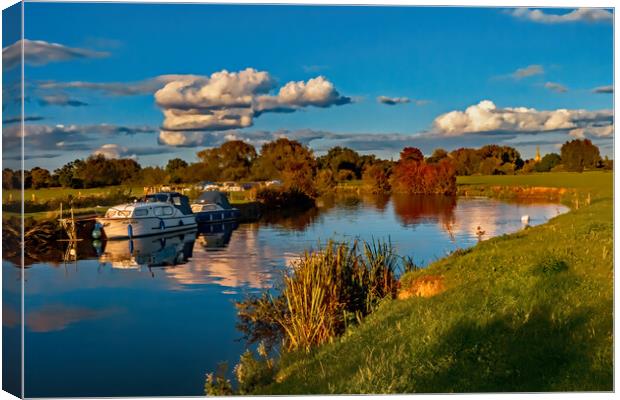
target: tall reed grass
<point>323,292</point>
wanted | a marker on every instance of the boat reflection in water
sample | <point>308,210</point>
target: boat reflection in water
<point>215,236</point>
<point>153,251</point>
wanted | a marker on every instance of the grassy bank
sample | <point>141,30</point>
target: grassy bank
<point>531,311</point>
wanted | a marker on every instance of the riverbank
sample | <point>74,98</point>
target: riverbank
<point>530,311</point>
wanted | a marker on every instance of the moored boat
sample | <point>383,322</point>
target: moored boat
<point>157,213</point>
<point>213,206</point>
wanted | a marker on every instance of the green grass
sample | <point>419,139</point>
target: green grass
<point>42,195</point>
<point>596,180</point>
<point>530,311</point>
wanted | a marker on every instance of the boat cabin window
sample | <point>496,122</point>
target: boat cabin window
<point>176,201</point>
<point>141,212</point>
<point>168,211</point>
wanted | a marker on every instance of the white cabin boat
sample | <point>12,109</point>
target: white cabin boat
<point>157,213</point>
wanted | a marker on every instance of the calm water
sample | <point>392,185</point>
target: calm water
<point>113,325</point>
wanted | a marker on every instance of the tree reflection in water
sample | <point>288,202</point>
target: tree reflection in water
<point>414,210</point>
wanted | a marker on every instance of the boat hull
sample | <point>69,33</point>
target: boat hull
<point>206,217</point>
<point>127,228</point>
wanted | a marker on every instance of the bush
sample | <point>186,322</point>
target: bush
<point>323,293</point>
<point>378,177</point>
<point>284,198</point>
<point>217,384</point>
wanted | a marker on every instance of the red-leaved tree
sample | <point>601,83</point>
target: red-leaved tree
<point>414,176</point>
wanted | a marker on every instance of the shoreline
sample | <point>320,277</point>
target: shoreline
<point>506,293</point>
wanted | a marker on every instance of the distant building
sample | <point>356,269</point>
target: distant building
<point>537,158</point>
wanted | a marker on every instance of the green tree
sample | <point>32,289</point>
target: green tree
<point>288,160</point>
<point>126,169</point>
<point>466,161</point>
<point>152,176</point>
<point>343,162</point>
<point>10,179</point>
<point>231,161</point>
<point>438,155</point>
<point>176,170</point>
<point>548,162</point>
<point>377,176</point>
<point>580,154</point>
<point>40,177</point>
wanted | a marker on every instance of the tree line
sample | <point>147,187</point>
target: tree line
<point>296,166</point>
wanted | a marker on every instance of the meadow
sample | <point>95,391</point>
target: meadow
<point>527,312</point>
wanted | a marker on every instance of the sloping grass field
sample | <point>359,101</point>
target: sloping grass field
<point>531,311</point>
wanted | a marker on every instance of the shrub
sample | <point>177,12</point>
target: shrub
<point>252,372</point>
<point>216,384</point>
<point>378,177</point>
<point>284,198</point>
<point>417,177</point>
<point>324,291</point>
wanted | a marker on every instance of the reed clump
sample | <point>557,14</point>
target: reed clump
<point>323,292</point>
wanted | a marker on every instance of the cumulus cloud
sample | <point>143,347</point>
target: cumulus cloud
<point>603,89</point>
<point>60,100</point>
<point>591,15</point>
<point>391,101</point>
<point>486,117</point>
<point>113,150</point>
<point>39,52</point>
<point>556,87</point>
<point>530,70</point>
<point>227,100</point>
<point>593,131</point>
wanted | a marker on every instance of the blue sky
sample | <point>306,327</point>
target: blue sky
<point>436,60</point>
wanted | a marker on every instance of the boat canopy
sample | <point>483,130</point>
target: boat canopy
<point>214,197</point>
<point>178,200</point>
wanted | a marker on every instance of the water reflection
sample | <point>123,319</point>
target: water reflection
<point>217,235</point>
<point>414,210</point>
<point>152,251</point>
<point>177,320</point>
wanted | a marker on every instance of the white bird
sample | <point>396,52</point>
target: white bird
<point>525,219</point>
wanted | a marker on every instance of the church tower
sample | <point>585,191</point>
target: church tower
<point>537,158</point>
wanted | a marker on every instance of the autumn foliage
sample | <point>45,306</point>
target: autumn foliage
<point>413,175</point>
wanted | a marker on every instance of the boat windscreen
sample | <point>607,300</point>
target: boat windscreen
<point>215,197</point>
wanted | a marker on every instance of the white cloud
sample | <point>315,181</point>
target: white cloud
<point>114,150</point>
<point>227,100</point>
<point>556,87</point>
<point>591,15</point>
<point>111,151</point>
<point>593,131</point>
<point>255,138</point>
<point>486,117</point>
<point>530,70</point>
<point>39,52</point>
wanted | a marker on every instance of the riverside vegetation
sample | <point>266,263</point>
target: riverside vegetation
<point>529,311</point>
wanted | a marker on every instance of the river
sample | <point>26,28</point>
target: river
<point>114,323</point>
